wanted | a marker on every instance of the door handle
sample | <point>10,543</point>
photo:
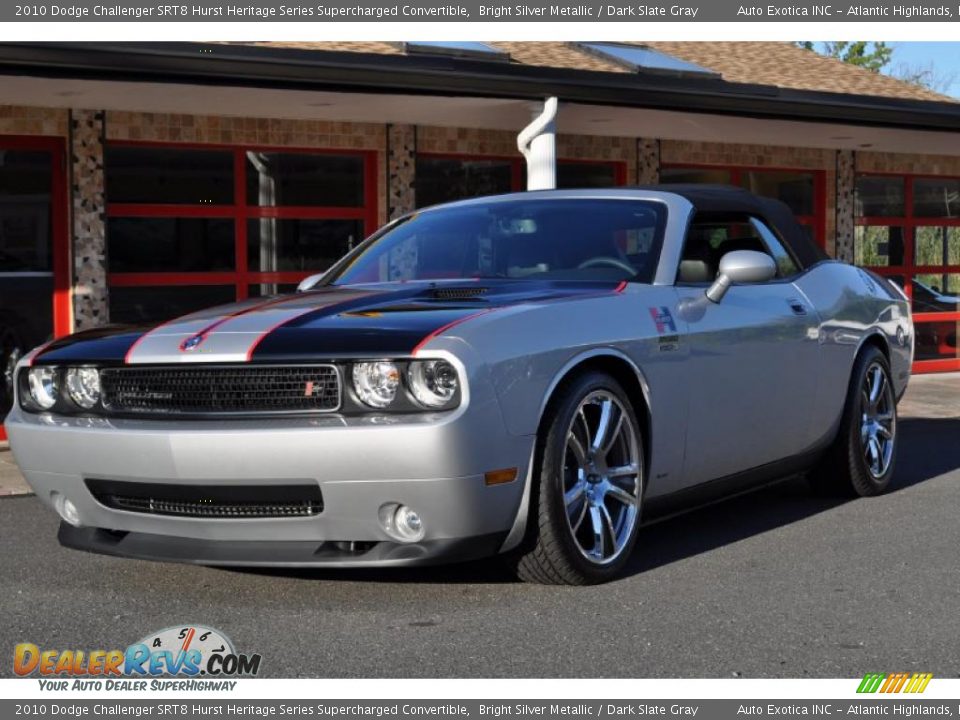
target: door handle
<point>797,306</point>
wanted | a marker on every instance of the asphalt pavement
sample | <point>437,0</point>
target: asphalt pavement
<point>772,584</point>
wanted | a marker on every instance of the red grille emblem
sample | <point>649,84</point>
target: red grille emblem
<point>308,390</point>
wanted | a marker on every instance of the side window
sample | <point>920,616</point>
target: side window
<point>786,265</point>
<point>710,237</point>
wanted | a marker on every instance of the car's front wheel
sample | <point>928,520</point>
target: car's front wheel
<point>862,458</point>
<point>586,508</point>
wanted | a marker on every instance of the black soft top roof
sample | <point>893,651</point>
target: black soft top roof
<point>720,200</point>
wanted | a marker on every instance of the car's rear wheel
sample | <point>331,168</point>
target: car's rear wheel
<point>586,507</point>
<point>862,458</point>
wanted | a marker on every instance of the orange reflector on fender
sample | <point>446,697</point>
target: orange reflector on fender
<point>499,477</point>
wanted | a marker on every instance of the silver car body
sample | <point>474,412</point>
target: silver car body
<point>756,381</point>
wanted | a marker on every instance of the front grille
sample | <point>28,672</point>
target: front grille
<point>220,389</point>
<point>209,501</point>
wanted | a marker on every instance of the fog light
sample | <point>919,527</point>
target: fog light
<point>402,523</point>
<point>409,524</point>
<point>68,511</point>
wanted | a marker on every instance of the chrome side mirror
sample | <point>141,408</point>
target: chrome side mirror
<point>741,266</point>
<point>309,282</point>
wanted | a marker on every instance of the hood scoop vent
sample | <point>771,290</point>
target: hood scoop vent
<point>456,293</point>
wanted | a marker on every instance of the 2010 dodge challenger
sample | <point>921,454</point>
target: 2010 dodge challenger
<point>525,375</point>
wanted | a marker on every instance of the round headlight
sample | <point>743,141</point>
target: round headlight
<point>43,386</point>
<point>376,383</point>
<point>434,383</point>
<point>83,384</point>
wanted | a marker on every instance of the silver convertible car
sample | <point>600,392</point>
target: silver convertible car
<point>525,375</point>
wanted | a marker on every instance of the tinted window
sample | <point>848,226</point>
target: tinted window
<point>307,179</point>
<point>170,244</point>
<point>168,175</point>
<point>878,245</point>
<point>936,197</point>
<point>696,176</point>
<point>550,239</point>
<point>314,245</point>
<point>441,180</point>
<point>795,189</point>
<point>25,181</point>
<point>585,175</point>
<point>155,304</point>
<point>880,196</point>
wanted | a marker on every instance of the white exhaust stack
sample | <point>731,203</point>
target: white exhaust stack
<point>538,144</point>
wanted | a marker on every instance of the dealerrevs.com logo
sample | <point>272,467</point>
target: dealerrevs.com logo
<point>901,682</point>
<point>187,651</point>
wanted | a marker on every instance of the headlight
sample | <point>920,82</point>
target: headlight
<point>376,383</point>
<point>83,384</point>
<point>43,386</point>
<point>434,383</point>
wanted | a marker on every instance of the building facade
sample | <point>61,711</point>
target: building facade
<point>126,197</point>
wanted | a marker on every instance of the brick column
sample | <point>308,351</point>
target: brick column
<point>90,307</point>
<point>401,169</point>
<point>648,161</point>
<point>846,185</point>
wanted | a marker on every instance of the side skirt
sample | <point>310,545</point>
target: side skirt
<point>663,507</point>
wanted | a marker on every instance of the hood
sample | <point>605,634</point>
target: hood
<point>388,319</point>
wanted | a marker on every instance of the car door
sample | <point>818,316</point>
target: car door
<point>752,358</point>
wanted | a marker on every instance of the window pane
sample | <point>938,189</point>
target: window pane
<point>878,245</point>
<point>880,197</point>
<point>168,175</point>
<point>25,182</point>
<point>307,179</point>
<point>933,197</point>
<point>310,245</point>
<point>155,304</point>
<point>445,179</point>
<point>937,340</point>
<point>265,289</point>
<point>793,188</point>
<point>937,245</point>
<point>695,175</point>
<point>936,292</point>
<point>170,244</point>
<point>586,175</point>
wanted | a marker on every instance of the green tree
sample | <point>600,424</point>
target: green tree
<point>873,56</point>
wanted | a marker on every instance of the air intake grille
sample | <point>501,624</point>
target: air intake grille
<point>457,293</point>
<point>209,501</point>
<point>220,390</point>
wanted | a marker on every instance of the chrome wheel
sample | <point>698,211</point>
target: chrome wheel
<point>602,477</point>
<point>878,420</point>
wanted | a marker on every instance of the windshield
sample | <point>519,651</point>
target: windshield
<point>562,239</point>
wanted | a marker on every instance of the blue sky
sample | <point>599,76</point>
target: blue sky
<point>945,57</point>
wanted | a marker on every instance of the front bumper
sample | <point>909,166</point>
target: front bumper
<point>432,463</point>
<point>283,553</point>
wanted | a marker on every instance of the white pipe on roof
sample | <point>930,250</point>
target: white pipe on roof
<point>538,144</point>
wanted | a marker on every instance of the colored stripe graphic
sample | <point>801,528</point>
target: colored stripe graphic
<point>894,682</point>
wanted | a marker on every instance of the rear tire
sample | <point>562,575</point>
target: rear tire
<point>861,461</point>
<point>585,509</point>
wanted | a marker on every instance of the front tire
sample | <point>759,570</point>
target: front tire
<point>861,461</point>
<point>586,510</point>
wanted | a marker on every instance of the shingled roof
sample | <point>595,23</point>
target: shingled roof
<point>778,64</point>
